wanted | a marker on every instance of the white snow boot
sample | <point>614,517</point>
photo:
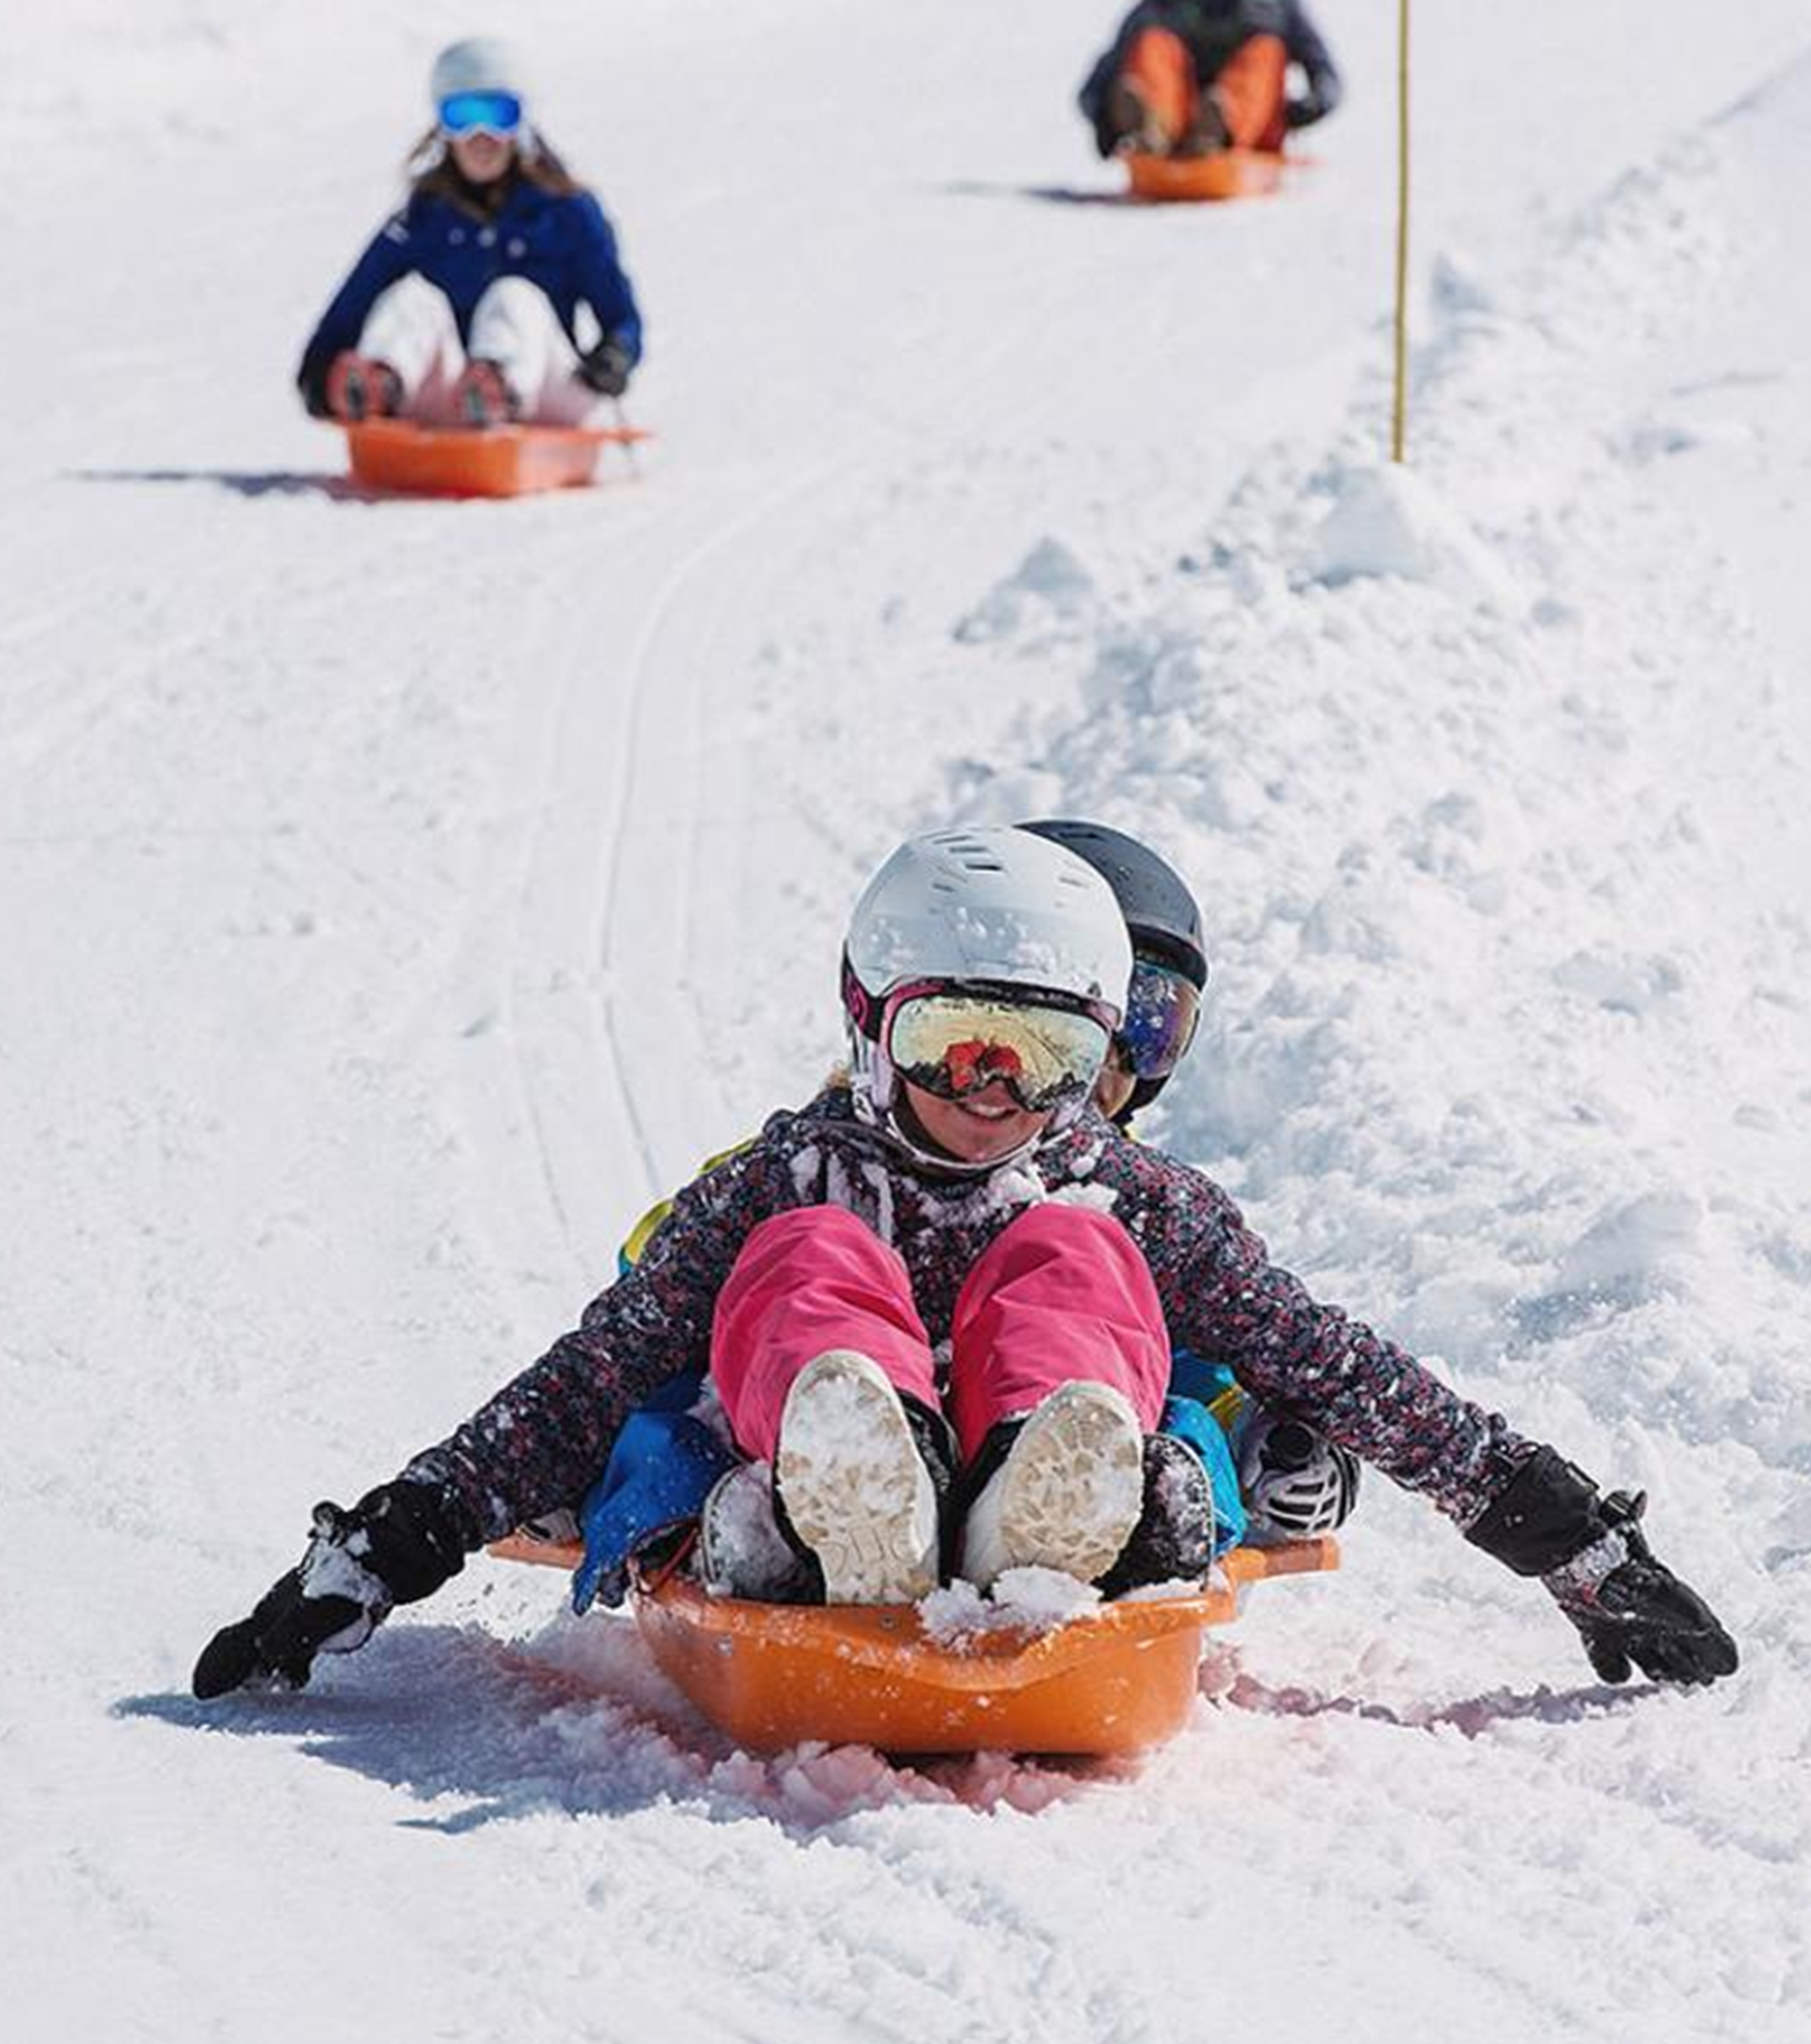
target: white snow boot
<point>853,1484</point>
<point>1068,1494</point>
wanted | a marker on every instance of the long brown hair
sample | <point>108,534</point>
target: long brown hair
<point>433,174</point>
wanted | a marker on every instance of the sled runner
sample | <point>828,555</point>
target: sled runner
<point>495,461</point>
<point>1115,1680</point>
<point>1224,174</point>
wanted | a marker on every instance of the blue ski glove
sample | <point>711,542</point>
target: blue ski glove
<point>399,1542</point>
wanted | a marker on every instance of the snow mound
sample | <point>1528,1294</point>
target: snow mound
<point>1634,1247</point>
<point>1049,589</point>
<point>1391,520</point>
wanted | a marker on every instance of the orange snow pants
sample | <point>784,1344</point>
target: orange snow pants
<point>1249,88</point>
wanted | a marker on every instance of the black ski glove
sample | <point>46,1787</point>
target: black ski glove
<point>1628,1607</point>
<point>1594,1562</point>
<point>311,382</point>
<point>606,369</point>
<point>1317,99</point>
<point>399,1544</point>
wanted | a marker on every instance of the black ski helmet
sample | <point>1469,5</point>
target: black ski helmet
<point>1160,912</point>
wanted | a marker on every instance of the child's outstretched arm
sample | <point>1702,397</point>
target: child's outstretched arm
<point>1519,1501</point>
<point>535,1444</point>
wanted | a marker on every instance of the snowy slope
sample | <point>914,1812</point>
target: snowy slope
<point>397,896</point>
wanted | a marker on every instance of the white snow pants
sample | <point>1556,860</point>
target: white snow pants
<point>411,327</point>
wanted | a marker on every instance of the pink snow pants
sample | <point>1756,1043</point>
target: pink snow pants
<point>1062,1293</point>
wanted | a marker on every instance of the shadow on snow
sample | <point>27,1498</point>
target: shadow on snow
<point>1045,195</point>
<point>1471,1717</point>
<point>337,488</point>
<point>579,1721</point>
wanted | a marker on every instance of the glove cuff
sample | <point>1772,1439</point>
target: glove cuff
<point>397,1545</point>
<point>1547,1514</point>
<point>1575,1583</point>
<point>418,1537</point>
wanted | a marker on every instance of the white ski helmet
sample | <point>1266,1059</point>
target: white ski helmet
<point>478,63</point>
<point>996,906</point>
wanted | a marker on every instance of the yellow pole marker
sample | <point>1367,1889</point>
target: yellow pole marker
<point>1398,419</point>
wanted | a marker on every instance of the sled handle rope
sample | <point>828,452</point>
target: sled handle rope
<point>1399,409</point>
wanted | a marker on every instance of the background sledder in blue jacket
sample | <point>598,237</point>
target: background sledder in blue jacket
<point>465,309</point>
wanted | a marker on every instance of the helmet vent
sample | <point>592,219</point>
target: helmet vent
<point>975,855</point>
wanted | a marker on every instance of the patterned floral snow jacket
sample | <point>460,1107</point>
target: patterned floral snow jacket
<point>541,1439</point>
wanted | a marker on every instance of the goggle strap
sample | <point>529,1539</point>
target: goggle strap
<point>862,1008</point>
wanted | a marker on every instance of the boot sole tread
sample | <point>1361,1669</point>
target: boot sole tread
<point>1074,1484</point>
<point>854,1486</point>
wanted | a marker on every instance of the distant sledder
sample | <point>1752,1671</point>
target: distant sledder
<point>452,352</point>
<point>1199,97</point>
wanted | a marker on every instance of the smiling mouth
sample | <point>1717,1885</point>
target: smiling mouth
<point>987,1111</point>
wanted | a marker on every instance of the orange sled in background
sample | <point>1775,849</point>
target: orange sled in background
<point>494,461</point>
<point>1223,173</point>
<point>1115,1680</point>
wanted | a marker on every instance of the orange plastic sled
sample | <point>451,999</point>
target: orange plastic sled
<point>1117,1679</point>
<point>1224,173</point>
<point>498,461</point>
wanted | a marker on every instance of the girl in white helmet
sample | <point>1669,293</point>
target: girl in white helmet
<point>954,1266</point>
<point>495,293</point>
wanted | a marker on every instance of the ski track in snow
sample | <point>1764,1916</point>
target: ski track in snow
<point>400,896</point>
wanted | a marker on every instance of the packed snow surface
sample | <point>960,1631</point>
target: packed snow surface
<point>397,896</point>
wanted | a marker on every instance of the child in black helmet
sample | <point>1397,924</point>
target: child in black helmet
<point>1293,1483</point>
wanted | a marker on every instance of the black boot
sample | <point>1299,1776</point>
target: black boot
<point>1173,1540</point>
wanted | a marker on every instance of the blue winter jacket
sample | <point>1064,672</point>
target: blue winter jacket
<point>562,244</point>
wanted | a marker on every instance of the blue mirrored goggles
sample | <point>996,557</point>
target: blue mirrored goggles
<point>471,113</point>
<point>1163,1008</point>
